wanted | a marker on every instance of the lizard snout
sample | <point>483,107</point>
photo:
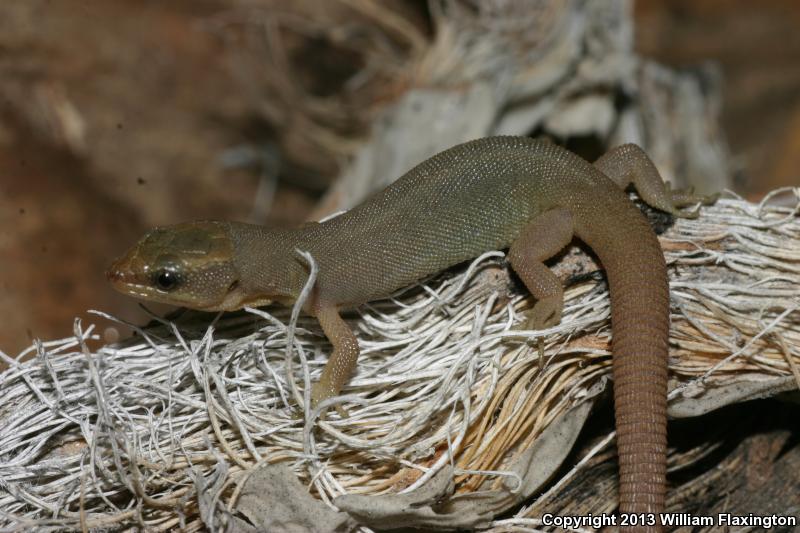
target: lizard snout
<point>116,273</point>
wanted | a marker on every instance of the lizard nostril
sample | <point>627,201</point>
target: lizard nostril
<point>114,273</point>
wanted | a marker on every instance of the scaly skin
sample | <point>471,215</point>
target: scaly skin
<point>482,195</point>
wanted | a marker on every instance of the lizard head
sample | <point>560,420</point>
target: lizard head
<point>189,265</point>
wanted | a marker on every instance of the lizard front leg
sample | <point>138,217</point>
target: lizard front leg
<point>342,362</point>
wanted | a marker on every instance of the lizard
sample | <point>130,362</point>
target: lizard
<point>530,196</point>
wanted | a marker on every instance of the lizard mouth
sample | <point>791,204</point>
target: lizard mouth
<point>125,281</point>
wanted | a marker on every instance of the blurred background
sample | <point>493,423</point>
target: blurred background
<point>118,115</point>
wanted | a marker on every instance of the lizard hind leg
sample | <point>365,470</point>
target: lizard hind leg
<point>628,164</point>
<point>686,197</point>
<point>541,239</point>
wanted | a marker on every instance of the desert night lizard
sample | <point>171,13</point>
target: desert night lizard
<point>530,196</point>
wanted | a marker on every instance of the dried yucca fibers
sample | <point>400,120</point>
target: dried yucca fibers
<point>453,414</point>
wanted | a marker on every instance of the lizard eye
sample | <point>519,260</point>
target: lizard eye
<point>166,280</point>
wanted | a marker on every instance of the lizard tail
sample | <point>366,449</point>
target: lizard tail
<point>640,329</point>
